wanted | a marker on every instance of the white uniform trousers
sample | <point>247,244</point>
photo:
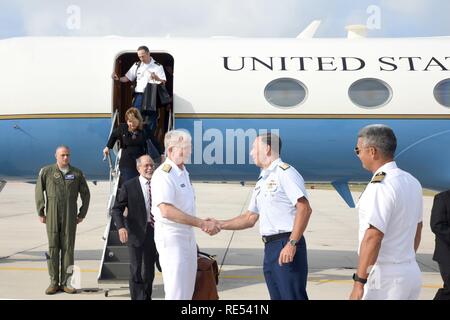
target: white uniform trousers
<point>391,281</point>
<point>177,250</point>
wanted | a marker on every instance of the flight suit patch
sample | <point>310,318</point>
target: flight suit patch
<point>56,175</point>
<point>284,166</point>
<point>166,168</point>
<point>378,177</point>
<point>69,177</point>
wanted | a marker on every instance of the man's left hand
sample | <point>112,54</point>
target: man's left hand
<point>357,292</point>
<point>79,220</point>
<point>287,254</point>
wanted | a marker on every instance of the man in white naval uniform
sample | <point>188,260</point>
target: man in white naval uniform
<point>173,205</point>
<point>390,222</point>
<point>146,70</point>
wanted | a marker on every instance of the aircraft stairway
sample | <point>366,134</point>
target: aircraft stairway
<point>115,260</point>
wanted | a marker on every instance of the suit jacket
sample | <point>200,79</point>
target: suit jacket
<point>440,225</point>
<point>131,197</point>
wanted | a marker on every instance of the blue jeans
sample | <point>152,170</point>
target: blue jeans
<point>286,282</point>
<point>137,101</point>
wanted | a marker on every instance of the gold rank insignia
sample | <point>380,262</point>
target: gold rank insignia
<point>271,185</point>
<point>378,177</point>
<point>166,168</point>
<point>284,166</point>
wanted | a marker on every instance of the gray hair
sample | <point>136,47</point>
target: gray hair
<point>175,138</point>
<point>379,136</point>
<point>139,160</point>
<point>63,146</point>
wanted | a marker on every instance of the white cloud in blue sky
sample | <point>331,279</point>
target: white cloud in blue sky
<point>204,18</point>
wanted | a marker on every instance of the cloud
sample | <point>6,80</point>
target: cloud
<point>177,17</point>
<point>407,7</point>
<point>415,17</point>
<point>205,18</point>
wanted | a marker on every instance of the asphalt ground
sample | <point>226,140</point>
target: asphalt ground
<point>331,239</point>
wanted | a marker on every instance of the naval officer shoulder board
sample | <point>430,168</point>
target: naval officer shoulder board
<point>378,177</point>
<point>166,168</point>
<point>284,166</point>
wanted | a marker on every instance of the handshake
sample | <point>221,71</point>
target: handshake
<point>211,226</point>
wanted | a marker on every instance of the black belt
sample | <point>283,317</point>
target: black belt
<point>274,237</point>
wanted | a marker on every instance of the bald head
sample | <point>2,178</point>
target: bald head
<point>62,156</point>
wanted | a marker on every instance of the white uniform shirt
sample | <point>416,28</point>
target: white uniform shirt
<point>143,74</point>
<point>393,206</point>
<point>275,196</point>
<point>144,186</point>
<point>172,187</point>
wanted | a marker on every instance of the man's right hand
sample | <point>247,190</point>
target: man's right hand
<point>106,151</point>
<point>211,226</point>
<point>115,77</point>
<point>43,219</point>
<point>123,235</point>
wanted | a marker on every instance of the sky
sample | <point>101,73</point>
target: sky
<point>207,18</point>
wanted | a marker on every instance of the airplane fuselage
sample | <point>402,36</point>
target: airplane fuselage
<point>59,91</point>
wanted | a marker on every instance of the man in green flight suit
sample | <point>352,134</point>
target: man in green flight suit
<point>58,210</point>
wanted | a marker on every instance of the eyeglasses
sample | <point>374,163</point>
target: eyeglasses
<point>358,150</point>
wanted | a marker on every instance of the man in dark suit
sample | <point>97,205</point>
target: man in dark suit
<point>138,231</point>
<point>440,225</point>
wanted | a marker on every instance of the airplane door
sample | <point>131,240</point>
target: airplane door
<point>123,92</point>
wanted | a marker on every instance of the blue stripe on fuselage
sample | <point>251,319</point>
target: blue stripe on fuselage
<point>29,144</point>
<point>320,149</point>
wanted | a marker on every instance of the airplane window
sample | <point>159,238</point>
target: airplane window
<point>285,92</point>
<point>370,93</point>
<point>442,92</point>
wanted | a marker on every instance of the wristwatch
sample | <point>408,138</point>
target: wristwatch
<point>293,242</point>
<point>358,279</point>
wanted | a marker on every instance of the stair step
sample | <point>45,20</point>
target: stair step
<point>117,254</point>
<point>115,271</point>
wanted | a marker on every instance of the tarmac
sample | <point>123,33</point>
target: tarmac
<point>331,236</point>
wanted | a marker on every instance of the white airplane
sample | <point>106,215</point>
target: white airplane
<point>317,93</point>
